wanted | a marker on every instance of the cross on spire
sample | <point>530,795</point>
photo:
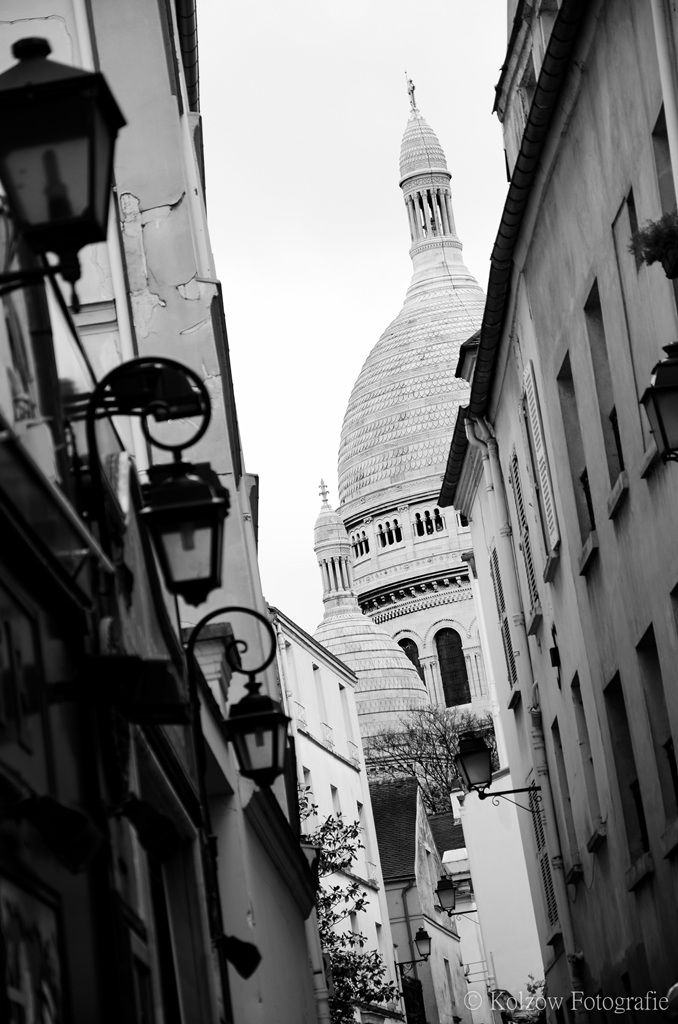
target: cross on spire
<point>324,491</point>
<point>410,89</point>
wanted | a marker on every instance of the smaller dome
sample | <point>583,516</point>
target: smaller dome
<point>329,528</point>
<point>420,150</point>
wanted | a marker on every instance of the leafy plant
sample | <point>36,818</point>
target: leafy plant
<point>655,240</point>
<point>358,974</point>
<point>424,748</point>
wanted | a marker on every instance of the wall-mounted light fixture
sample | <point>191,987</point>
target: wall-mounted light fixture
<point>59,126</point>
<point>474,764</point>
<point>422,941</point>
<point>184,504</point>
<point>257,724</point>
<point>661,404</point>
<point>446,892</point>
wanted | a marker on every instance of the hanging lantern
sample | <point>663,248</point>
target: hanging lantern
<point>422,941</point>
<point>661,403</point>
<point>474,761</point>
<point>59,125</point>
<point>185,508</point>
<point>447,894</point>
<point>257,727</point>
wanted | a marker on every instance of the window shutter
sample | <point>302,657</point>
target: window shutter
<point>543,858</point>
<point>503,619</point>
<point>524,532</point>
<point>536,429</point>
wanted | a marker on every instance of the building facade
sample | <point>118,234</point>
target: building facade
<point>433,990</point>
<point>405,550</point>
<point>113,906</point>
<point>319,690</point>
<point>572,513</point>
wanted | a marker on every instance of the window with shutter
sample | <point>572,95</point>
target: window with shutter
<point>525,544</point>
<point>503,619</point>
<point>543,857</point>
<point>542,475</point>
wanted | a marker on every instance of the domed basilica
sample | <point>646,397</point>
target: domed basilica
<point>394,576</point>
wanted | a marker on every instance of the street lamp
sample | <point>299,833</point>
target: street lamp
<point>185,507</point>
<point>446,892</point>
<point>184,504</point>
<point>447,895</point>
<point>257,724</point>
<point>422,941</point>
<point>661,404</point>
<point>474,764</point>
<point>59,125</point>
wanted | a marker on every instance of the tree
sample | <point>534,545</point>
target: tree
<point>425,747</point>
<point>358,974</point>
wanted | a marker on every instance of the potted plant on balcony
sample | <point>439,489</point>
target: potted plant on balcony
<point>657,241</point>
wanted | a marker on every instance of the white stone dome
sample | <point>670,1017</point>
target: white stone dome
<point>420,150</point>
<point>403,407</point>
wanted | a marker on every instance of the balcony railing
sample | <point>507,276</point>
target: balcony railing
<point>328,735</point>
<point>353,752</point>
<point>301,713</point>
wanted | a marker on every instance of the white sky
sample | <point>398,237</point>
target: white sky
<point>304,105</point>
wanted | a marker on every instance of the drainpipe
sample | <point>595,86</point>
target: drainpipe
<point>496,717</point>
<point>408,925</point>
<point>502,526</point>
<point>322,996</point>
<point>315,953</point>
<point>665,44</point>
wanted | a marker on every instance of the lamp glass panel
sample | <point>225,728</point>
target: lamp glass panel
<point>666,402</point>
<point>188,550</point>
<point>51,181</point>
<point>103,145</point>
<point>258,748</point>
<point>423,942</point>
<point>651,410</point>
<point>478,765</point>
<point>446,894</point>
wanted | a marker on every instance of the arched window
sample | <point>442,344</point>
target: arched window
<point>452,668</point>
<point>428,522</point>
<point>398,533</point>
<point>418,525</point>
<point>389,533</point>
<point>438,520</point>
<point>366,543</point>
<point>381,536</point>
<point>412,652</point>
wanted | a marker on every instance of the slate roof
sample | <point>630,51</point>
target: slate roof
<point>448,833</point>
<point>394,804</point>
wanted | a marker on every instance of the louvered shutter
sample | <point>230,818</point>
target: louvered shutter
<point>503,619</point>
<point>524,532</point>
<point>543,857</point>
<point>535,426</point>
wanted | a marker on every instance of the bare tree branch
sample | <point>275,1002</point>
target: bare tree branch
<point>424,748</point>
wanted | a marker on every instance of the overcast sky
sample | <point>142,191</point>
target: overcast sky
<point>304,106</point>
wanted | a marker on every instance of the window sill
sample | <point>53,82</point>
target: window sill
<point>650,460</point>
<point>515,698</point>
<point>551,567</point>
<point>669,840</point>
<point>575,874</point>
<point>534,621</point>
<point>618,494</point>
<point>597,838</point>
<point>588,553</point>
<point>641,870</point>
